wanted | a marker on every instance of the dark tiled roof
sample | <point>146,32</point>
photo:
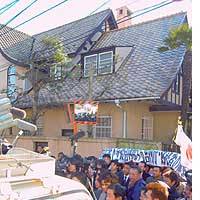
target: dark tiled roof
<point>72,35</point>
<point>17,46</point>
<point>147,72</point>
<point>144,73</point>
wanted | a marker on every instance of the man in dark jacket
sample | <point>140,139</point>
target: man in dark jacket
<point>136,184</point>
<point>142,165</point>
<point>125,181</point>
<point>61,164</point>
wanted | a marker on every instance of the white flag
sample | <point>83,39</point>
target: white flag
<point>185,144</point>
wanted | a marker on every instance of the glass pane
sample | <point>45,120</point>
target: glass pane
<point>105,63</point>
<point>11,70</point>
<point>105,56</point>
<point>91,59</point>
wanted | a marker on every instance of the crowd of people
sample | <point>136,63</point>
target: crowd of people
<point>108,179</point>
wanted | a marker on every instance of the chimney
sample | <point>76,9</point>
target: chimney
<point>123,14</point>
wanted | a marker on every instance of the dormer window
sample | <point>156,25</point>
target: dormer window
<point>105,63</point>
<point>99,63</point>
<point>90,64</point>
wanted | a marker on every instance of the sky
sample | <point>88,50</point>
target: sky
<point>76,9</point>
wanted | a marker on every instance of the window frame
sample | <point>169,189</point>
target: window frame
<point>97,126</point>
<point>111,71</point>
<point>88,56</point>
<point>12,96</point>
<point>149,135</point>
<point>40,125</point>
<point>97,52</point>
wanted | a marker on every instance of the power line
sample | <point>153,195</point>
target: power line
<point>155,5</point>
<point>99,7</point>
<point>78,36</point>
<point>146,12</point>
<point>40,13</point>
<point>8,6</point>
<point>34,17</point>
<point>4,7</point>
<point>118,22</point>
<point>23,10</point>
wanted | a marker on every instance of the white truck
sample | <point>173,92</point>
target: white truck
<point>28,175</point>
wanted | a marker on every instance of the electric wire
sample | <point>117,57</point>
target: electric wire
<point>99,7</point>
<point>80,36</point>
<point>76,38</point>
<point>18,14</point>
<point>8,6</point>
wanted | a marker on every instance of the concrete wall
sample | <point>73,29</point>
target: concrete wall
<point>165,124</point>
<point>86,146</point>
<point>4,64</point>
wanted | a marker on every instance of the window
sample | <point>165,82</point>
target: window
<point>67,132</point>
<point>121,11</point>
<point>105,63</point>
<point>101,63</point>
<point>90,65</point>
<point>56,72</point>
<point>42,144</point>
<point>11,83</point>
<point>147,128</point>
<point>104,127</point>
<point>27,85</point>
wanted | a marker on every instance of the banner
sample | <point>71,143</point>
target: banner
<point>185,144</point>
<point>151,157</point>
<point>86,112</point>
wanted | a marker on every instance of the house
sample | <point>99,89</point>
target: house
<point>139,90</point>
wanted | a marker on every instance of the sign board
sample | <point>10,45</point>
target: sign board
<point>85,112</point>
<point>151,157</point>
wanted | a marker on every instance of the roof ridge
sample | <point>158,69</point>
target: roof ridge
<point>148,21</point>
<point>108,9</point>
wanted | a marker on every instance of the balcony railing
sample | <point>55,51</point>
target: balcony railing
<point>170,147</point>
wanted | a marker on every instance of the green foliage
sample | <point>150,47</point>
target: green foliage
<point>134,145</point>
<point>56,45</point>
<point>178,36</point>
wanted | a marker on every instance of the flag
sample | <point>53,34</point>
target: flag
<point>185,144</point>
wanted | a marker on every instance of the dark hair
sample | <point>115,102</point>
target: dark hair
<point>80,176</point>
<point>102,163</point>
<point>107,176</point>
<point>137,169</point>
<point>127,163</point>
<point>158,167</point>
<point>145,164</point>
<point>106,155</point>
<point>173,176</point>
<point>118,190</point>
<point>115,162</point>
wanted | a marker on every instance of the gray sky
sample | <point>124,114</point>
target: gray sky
<point>76,9</point>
